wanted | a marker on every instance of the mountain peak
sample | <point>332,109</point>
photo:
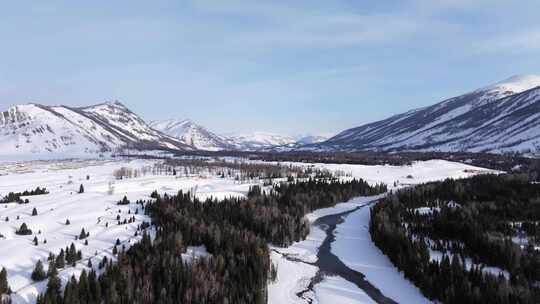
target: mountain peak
<point>515,84</point>
<point>191,134</point>
<point>107,104</point>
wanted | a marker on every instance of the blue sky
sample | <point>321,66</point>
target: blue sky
<point>282,66</point>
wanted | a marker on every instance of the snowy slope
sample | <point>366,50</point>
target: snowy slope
<point>95,210</point>
<point>38,131</point>
<point>192,134</point>
<point>499,118</point>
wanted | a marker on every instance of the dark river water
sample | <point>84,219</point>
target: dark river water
<point>330,265</point>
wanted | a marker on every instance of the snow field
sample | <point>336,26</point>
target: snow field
<point>95,210</point>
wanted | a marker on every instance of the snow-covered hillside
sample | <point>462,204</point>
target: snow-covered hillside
<point>95,210</point>
<point>504,117</point>
<point>38,131</point>
<point>192,134</point>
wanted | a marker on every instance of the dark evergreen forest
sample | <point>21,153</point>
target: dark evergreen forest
<point>476,219</point>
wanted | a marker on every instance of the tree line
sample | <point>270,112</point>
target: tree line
<point>16,196</point>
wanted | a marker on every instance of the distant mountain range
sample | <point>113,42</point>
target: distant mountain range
<point>500,118</point>
<point>199,137</point>
<point>34,131</point>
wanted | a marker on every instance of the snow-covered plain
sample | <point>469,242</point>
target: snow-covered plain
<point>95,210</point>
<point>417,173</point>
<point>353,243</point>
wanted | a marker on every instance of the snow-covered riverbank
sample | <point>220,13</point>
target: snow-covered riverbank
<point>355,248</point>
<point>353,245</point>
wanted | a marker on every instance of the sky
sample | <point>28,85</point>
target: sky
<point>289,67</point>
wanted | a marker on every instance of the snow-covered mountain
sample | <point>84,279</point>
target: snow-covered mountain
<point>60,131</point>
<point>259,141</point>
<point>503,117</point>
<point>192,134</point>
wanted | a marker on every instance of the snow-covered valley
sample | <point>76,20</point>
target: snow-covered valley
<point>96,211</point>
<point>353,245</point>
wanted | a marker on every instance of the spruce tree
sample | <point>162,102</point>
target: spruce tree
<point>23,230</point>
<point>4,286</point>
<point>53,292</point>
<point>95,286</point>
<point>60,259</point>
<point>82,235</point>
<point>52,266</point>
<point>39,273</point>
<point>34,212</point>
<point>81,189</point>
<point>84,288</point>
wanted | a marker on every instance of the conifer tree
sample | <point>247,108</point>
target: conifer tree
<point>39,273</point>
<point>60,260</point>
<point>53,293</point>
<point>82,235</point>
<point>52,267</point>
<point>23,230</point>
<point>4,286</point>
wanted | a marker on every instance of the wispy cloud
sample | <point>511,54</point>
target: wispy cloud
<point>287,26</point>
<point>515,42</point>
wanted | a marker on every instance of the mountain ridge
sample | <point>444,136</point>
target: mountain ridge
<point>36,129</point>
<point>433,128</point>
<point>191,133</point>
